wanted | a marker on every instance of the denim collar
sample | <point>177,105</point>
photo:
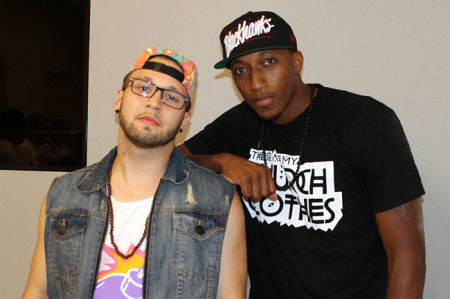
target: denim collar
<point>177,171</point>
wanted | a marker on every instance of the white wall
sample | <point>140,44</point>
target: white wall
<point>395,51</point>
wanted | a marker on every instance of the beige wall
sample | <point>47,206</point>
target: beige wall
<point>395,51</point>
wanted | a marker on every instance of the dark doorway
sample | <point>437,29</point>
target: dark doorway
<point>43,84</point>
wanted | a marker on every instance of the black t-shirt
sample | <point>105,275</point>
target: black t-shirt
<point>320,240</point>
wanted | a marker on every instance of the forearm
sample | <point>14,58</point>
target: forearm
<point>406,276</point>
<point>255,180</point>
<point>213,162</point>
<point>402,232</point>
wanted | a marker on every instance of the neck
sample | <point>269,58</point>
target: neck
<point>304,97</point>
<point>300,100</point>
<point>136,171</point>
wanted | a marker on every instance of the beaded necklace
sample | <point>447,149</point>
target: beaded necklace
<point>111,221</point>
<point>302,145</point>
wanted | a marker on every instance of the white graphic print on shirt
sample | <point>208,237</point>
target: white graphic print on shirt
<point>311,202</point>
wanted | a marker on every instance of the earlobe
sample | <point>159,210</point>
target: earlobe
<point>118,100</point>
<point>185,122</point>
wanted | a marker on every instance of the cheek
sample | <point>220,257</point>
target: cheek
<point>242,86</point>
<point>284,81</point>
<point>133,102</point>
<point>277,77</point>
<point>171,119</point>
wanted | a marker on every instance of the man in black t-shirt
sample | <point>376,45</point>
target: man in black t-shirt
<point>331,190</point>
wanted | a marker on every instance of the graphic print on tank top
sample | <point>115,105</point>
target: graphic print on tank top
<point>117,277</point>
<point>120,278</point>
<point>312,202</point>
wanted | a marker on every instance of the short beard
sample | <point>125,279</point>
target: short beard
<point>146,140</point>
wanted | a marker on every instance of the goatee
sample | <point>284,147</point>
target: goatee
<point>146,139</point>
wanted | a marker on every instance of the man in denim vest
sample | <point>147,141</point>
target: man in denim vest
<point>144,222</point>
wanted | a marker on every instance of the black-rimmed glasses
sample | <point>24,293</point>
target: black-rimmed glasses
<point>147,89</point>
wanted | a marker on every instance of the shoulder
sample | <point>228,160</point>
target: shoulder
<point>199,170</point>
<point>64,192</point>
<point>208,182</point>
<point>342,99</point>
<point>352,107</point>
<point>239,112</point>
<point>72,180</point>
<point>241,108</point>
<point>79,173</point>
<point>94,173</point>
<point>225,132</point>
<point>210,189</point>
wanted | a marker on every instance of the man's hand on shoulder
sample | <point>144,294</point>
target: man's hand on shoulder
<point>255,180</point>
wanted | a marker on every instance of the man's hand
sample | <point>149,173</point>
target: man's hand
<point>255,180</point>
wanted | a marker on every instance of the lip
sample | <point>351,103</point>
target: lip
<point>148,120</point>
<point>263,101</point>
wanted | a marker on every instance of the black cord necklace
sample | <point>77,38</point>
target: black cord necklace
<point>302,145</point>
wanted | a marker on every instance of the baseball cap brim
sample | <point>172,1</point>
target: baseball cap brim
<point>225,63</point>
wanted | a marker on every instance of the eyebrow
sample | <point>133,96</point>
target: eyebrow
<point>236,61</point>
<point>169,87</point>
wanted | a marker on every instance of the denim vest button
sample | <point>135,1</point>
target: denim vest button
<point>200,230</point>
<point>62,228</point>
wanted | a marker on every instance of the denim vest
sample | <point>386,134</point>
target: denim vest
<point>184,241</point>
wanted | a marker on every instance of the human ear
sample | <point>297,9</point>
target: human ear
<point>185,121</point>
<point>118,100</point>
<point>297,58</point>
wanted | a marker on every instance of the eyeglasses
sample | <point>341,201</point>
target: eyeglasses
<point>147,89</point>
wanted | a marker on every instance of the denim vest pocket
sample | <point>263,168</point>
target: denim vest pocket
<point>197,245</point>
<point>66,235</point>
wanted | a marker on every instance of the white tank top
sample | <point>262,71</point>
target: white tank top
<point>119,278</point>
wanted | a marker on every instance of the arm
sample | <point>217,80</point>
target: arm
<point>36,287</point>
<point>233,263</point>
<point>255,180</point>
<point>402,233</point>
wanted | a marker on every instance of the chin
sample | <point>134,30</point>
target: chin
<point>267,115</point>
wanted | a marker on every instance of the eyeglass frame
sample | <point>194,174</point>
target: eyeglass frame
<point>187,100</point>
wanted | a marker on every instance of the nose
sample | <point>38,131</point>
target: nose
<point>155,100</point>
<point>257,80</point>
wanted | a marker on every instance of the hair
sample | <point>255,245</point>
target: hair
<point>126,79</point>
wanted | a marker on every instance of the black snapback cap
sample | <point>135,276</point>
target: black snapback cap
<point>254,31</point>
